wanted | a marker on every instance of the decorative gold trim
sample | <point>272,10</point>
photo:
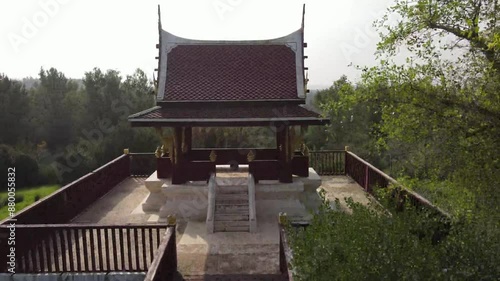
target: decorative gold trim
<point>126,151</point>
<point>213,156</point>
<point>282,218</point>
<point>306,150</point>
<point>171,220</point>
<point>251,156</point>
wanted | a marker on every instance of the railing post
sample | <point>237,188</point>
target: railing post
<point>346,150</point>
<point>366,178</point>
<point>172,246</point>
<point>126,151</point>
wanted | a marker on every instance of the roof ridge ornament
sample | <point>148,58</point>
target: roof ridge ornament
<point>159,45</point>
<point>303,16</point>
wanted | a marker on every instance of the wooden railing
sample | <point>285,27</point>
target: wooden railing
<point>71,199</point>
<point>340,162</point>
<point>285,252</point>
<point>369,177</point>
<point>84,248</point>
<point>164,265</point>
<point>231,155</point>
<point>328,162</point>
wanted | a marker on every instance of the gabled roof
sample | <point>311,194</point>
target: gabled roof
<point>230,83</point>
<point>197,70</point>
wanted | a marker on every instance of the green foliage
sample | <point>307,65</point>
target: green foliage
<point>25,197</point>
<point>14,106</point>
<point>353,124</point>
<point>26,167</point>
<point>370,245</point>
<point>439,112</point>
<point>62,129</point>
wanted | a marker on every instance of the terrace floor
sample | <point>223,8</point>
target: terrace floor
<point>202,253</point>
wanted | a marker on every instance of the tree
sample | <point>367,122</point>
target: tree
<point>52,118</point>
<point>442,105</point>
<point>14,111</point>
<point>352,124</point>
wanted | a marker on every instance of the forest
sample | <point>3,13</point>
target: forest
<point>60,129</point>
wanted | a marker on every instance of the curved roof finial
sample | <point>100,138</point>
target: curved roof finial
<point>159,18</point>
<point>303,15</point>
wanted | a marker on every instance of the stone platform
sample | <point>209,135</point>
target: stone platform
<point>189,201</point>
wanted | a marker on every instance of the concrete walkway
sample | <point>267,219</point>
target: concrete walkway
<point>342,187</point>
<point>119,206</point>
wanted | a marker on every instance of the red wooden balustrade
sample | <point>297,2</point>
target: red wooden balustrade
<point>164,265</point>
<point>71,199</point>
<point>85,248</point>
<point>328,162</point>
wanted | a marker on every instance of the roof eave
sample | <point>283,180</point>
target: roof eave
<point>244,122</point>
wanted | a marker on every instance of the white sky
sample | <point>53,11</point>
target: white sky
<point>77,35</point>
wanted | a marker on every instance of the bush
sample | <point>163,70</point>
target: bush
<point>371,245</point>
<point>25,165</point>
<point>48,175</point>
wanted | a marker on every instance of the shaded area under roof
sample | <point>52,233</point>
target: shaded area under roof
<point>223,115</point>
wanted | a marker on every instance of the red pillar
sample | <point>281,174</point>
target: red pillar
<point>178,167</point>
<point>285,157</point>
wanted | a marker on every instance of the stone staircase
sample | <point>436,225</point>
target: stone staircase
<point>231,209</point>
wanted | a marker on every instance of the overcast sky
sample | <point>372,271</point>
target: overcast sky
<point>77,35</point>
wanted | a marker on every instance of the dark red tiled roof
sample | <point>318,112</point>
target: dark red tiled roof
<point>230,113</point>
<point>230,72</point>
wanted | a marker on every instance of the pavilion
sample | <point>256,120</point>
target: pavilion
<point>230,84</point>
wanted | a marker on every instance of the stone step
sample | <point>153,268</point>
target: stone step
<point>243,210</point>
<point>231,223</point>
<point>237,196</point>
<point>231,217</point>
<point>232,190</point>
<point>225,202</point>
<point>231,226</point>
<point>231,181</point>
<point>231,207</point>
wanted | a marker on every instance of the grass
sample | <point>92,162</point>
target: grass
<point>25,197</point>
